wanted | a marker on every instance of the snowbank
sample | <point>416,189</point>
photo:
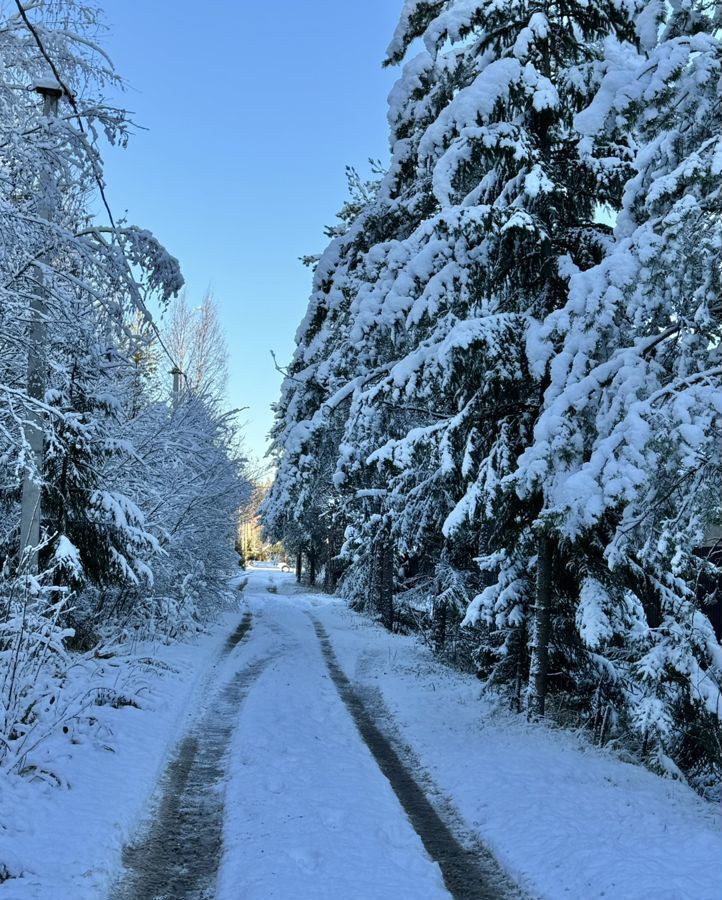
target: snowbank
<point>566,819</point>
<point>65,841</point>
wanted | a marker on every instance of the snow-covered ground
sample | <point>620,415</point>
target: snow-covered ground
<point>308,813</point>
<point>66,842</point>
<point>567,820</point>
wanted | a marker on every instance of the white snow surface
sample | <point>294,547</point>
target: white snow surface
<point>308,812</point>
<point>564,818</point>
<point>66,842</point>
<point>567,820</point>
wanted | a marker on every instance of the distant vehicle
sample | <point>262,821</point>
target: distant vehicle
<point>284,567</point>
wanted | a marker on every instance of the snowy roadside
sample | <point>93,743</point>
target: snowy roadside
<point>564,818</point>
<point>66,841</point>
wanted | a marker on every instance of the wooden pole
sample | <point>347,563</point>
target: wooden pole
<point>177,384</point>
<point>31,499</point>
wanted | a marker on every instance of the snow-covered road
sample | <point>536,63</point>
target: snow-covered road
<point>332,760</point>
<point>304,744</point>
<point>318,756</point>
<point>309,813</point>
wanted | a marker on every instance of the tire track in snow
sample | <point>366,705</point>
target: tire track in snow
<point>177,856</point>
<point>242,629</point>
<point>469,873</point>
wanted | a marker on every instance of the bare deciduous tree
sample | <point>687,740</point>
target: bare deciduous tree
<point>195,339</point>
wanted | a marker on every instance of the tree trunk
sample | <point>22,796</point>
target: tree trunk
<point>329,578</point>
<point>520,647</point>
<point>312,565</point>
<point>385,578</point>
<point>439,628</point>
<point>539,667</point>
<point>299,566</point>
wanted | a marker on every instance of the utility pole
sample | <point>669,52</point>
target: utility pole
<point>31,502</point>
<point>177,382</point>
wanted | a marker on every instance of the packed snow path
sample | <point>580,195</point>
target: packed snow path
<point>271,791</point>
<point>178,855</point>
<point>318,802</point>
<point>470,872</point>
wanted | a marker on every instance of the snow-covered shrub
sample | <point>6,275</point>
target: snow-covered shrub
<point>33,661</point>
<point>138,489</point>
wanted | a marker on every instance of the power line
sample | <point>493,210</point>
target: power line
<point>98,180</point>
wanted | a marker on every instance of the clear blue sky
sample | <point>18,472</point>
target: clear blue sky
<point>252,109</point>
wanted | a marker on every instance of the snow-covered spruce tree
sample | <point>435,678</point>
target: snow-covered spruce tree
<point>83,505</point>
<point>485,164</point>
<point>304,508</point>
<point>399,205</point>
<point>627,450</point>
<point>299,502</point>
